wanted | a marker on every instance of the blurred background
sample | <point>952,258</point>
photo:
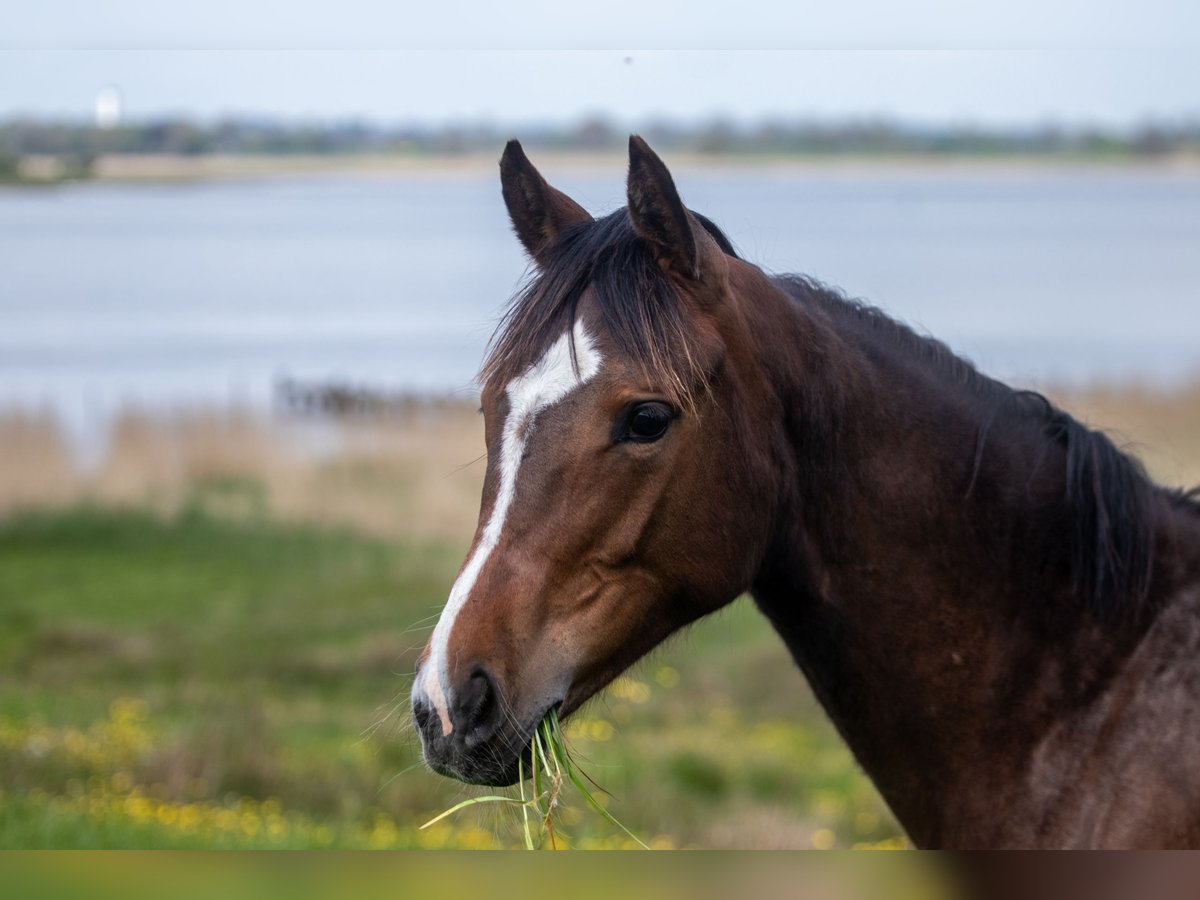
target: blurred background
<point>250,256</point>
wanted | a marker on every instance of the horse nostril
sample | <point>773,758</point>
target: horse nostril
<point>474,715</point>
<point>421,715</point>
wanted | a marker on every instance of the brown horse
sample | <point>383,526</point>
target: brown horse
<point>995,606</point>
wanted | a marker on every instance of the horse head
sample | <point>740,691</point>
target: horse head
<point>627,492</point>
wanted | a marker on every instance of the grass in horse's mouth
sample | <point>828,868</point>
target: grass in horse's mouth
<point>552,769</point>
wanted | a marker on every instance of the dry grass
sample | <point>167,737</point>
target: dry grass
<point>35,467</point>
<point>417,474</point>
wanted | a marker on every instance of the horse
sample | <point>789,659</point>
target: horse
<point>996,607</point>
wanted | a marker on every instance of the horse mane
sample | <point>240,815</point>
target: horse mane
<point>637,301</point>
<point>1107,494</point>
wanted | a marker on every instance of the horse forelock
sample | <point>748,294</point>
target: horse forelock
<point>637,306</point>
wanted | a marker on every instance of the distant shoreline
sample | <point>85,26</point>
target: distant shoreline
<point>135,168</point>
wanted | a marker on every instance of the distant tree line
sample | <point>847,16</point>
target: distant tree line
<point>82,141</point>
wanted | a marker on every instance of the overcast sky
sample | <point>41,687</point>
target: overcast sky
<point>1016,61</point>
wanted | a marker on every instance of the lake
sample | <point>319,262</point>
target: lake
<point>163,295</point>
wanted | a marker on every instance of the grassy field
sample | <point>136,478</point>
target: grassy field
<point>207,641</point>
<point>198,681</point>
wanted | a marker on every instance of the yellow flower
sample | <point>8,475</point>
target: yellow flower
<point>667,676</point>
<point>823,839</point>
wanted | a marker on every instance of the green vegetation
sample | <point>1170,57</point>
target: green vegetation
<point>196,680</point>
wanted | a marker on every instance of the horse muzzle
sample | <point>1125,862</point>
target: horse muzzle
<point>483,744</point>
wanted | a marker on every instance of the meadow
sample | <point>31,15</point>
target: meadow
<point>207,639</point>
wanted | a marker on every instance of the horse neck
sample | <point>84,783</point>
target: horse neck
<point>923,592</point>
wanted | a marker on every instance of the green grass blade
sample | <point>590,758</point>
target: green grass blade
<point>559,749</point>
<point>549,757</point>
<point>474,801</point>
<point>534,747</point>
<point>524,803</point>
<point>556,749</point>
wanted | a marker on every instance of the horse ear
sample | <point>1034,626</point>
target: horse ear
<point>657,213</point>
<point>538,211</point>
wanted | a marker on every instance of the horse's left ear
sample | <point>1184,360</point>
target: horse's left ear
<point>538,211</point>
<point>658,214</point>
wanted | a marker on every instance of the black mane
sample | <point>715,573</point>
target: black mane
<point>1107,494</point>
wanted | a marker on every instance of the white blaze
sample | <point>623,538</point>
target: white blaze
<point>548,381</point>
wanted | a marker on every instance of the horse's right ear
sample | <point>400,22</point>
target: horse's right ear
<point>538,212</point>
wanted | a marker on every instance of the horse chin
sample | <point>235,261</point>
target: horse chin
<point>476,770</point>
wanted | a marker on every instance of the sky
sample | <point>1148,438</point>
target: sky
<point>925,61</point>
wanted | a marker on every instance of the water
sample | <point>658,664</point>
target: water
<point>201,294</point>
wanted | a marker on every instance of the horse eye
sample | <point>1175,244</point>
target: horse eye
<point>648,422</point>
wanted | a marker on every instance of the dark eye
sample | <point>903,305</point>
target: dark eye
<point>647,422</point>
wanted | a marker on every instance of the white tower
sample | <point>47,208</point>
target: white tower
<point>108,107</point>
